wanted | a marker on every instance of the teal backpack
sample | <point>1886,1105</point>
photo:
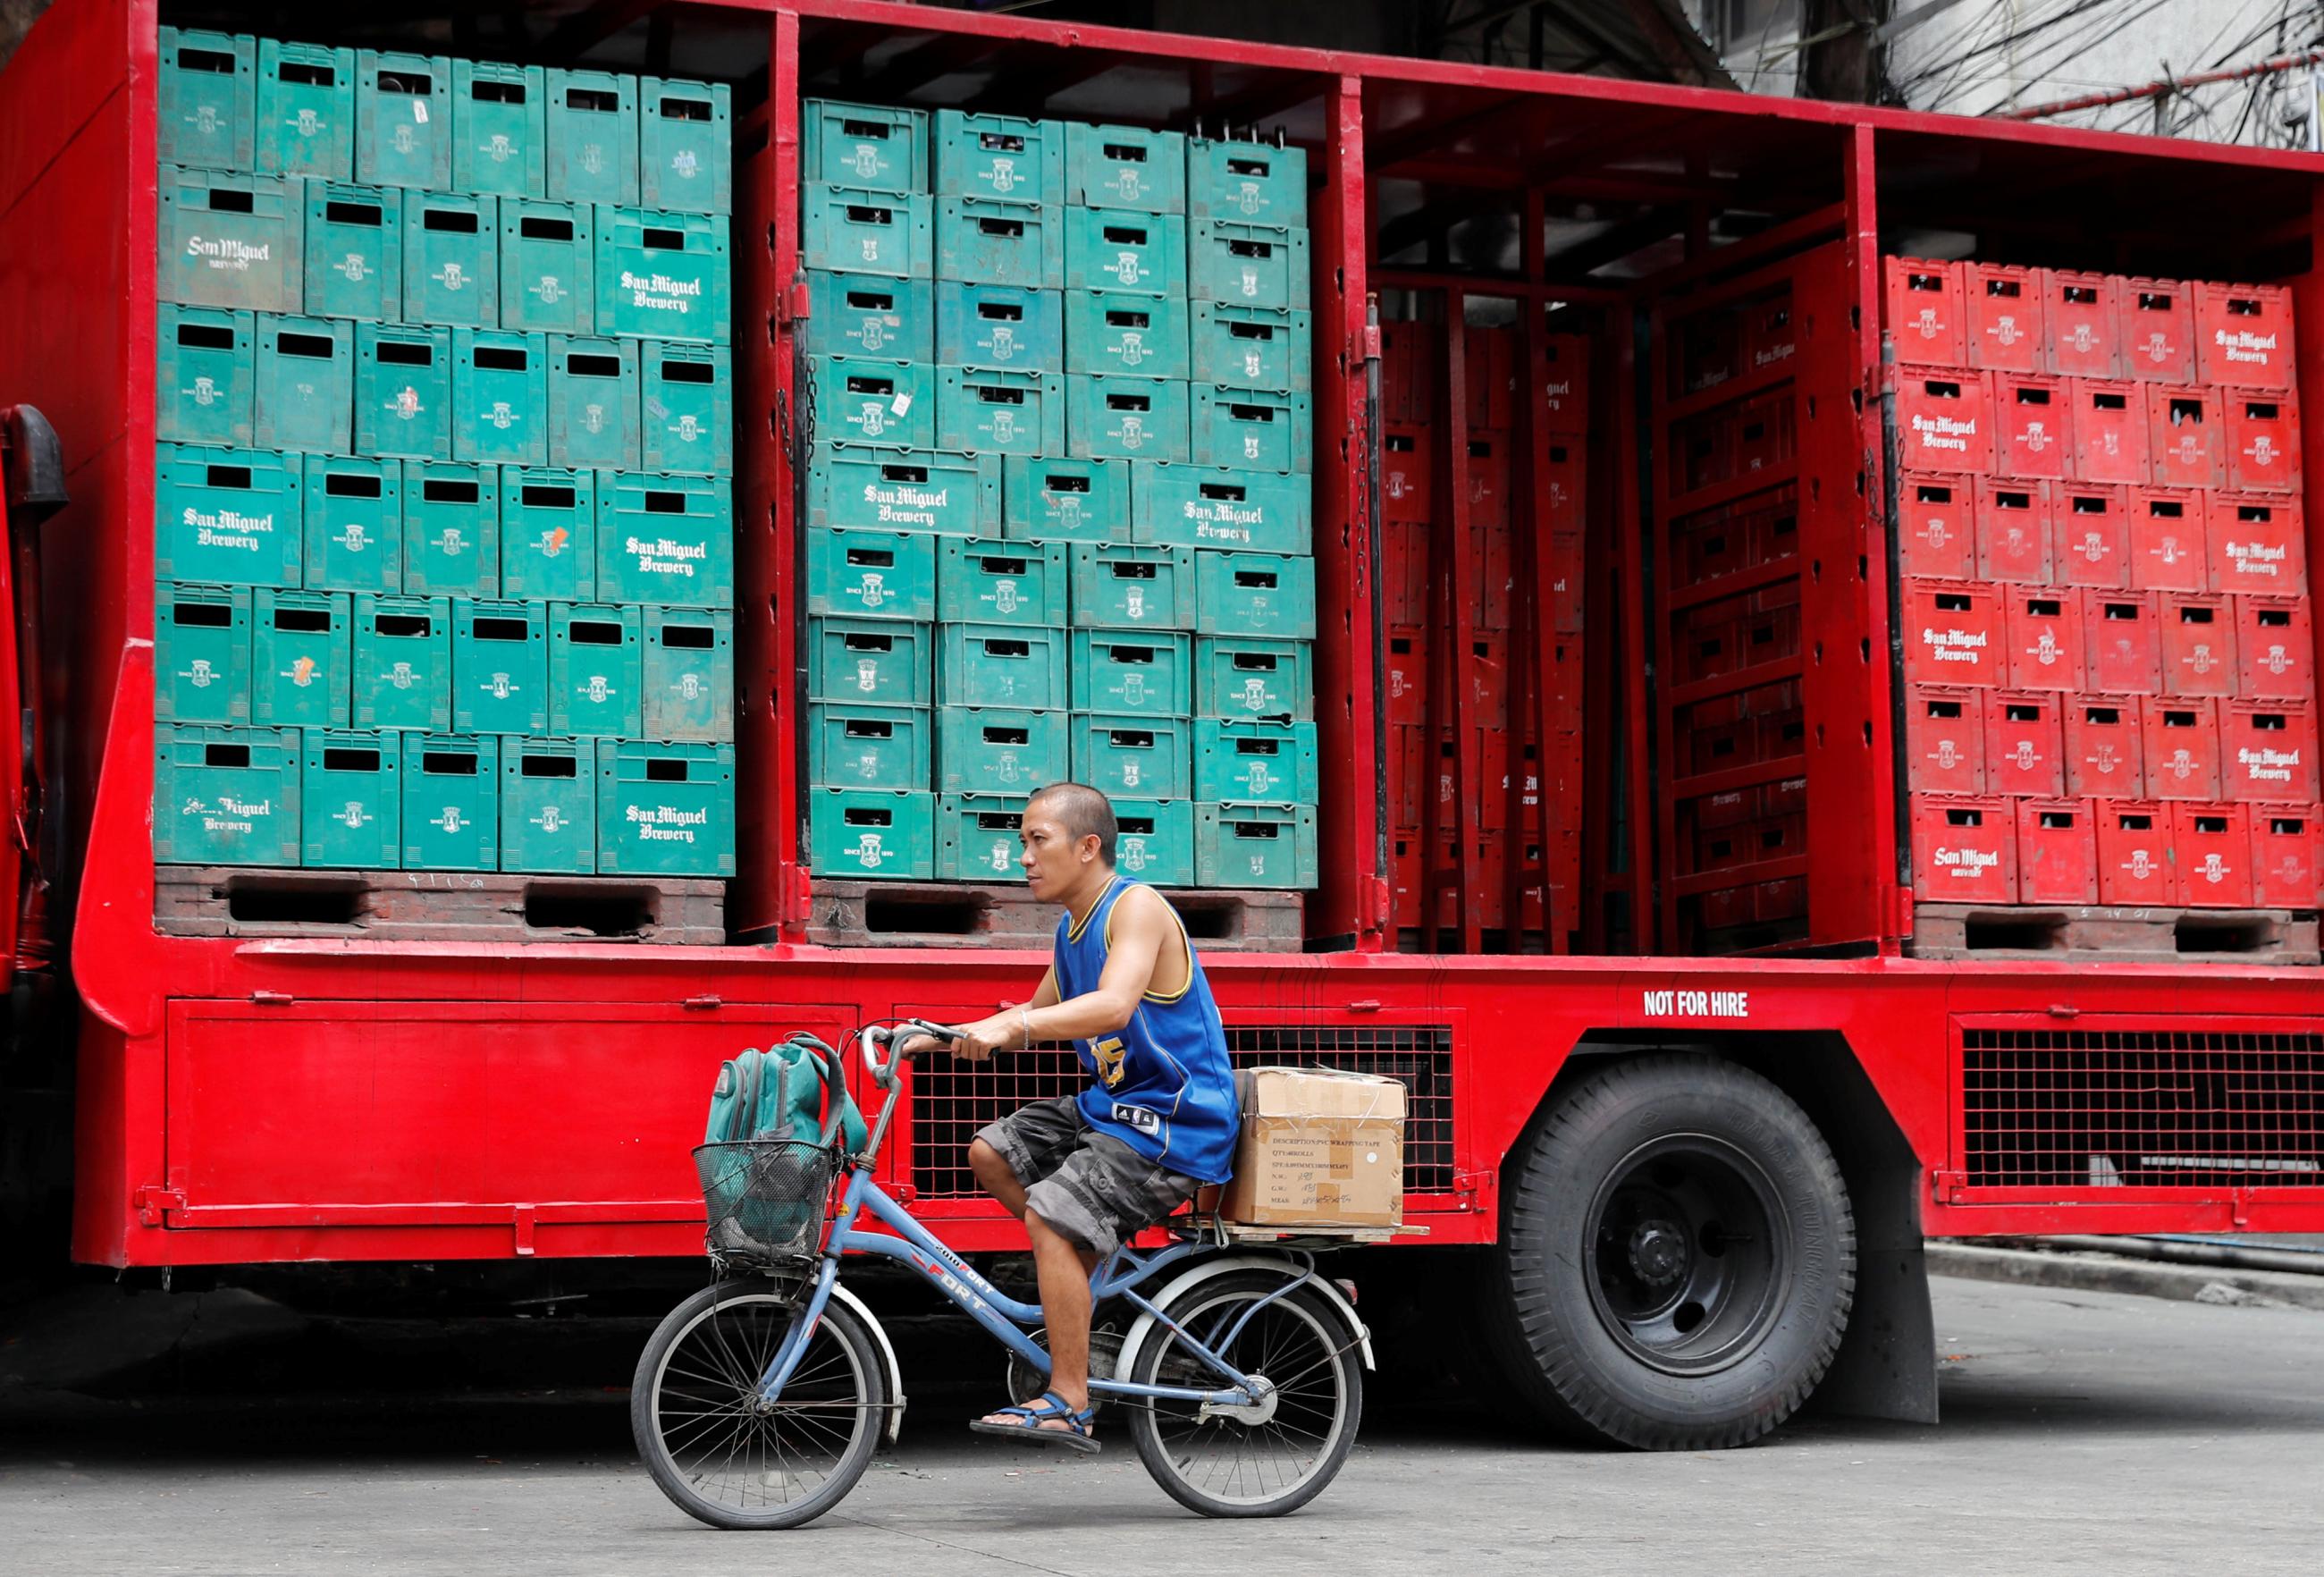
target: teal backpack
<point>795,1091</point>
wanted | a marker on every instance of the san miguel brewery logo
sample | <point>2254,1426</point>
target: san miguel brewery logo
<point>1948,754</point>
<point>659,293</point>
<point>1944,432</point>
<point>1967,865</point>
<point>234,256</point>
<point>1956,645</point>
<point>2143,865</point>
<point>229,528</point>
<point>2269,560</point>
<point>667,823</point>
<point>2262,765</point>
<point>667,555</point>
<point>355,266</point>
<point>903,504</point>
<point>2242,346</point>
<point>230,815</point>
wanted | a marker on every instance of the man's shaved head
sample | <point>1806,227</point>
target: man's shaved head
<point>1082,812</point>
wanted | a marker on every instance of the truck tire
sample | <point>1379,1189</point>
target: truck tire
<point>1677,1258</point>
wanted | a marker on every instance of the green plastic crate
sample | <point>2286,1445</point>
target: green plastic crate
<point>1122,417</point>
<point>1109,332</point>
<point>667,540</point>
<point>353,251</point>
<point>872,832</point>
<point>1255,763</point>
<point>1255,846</point>
<point>500,667</point>
<point>1125,167</point>
<point>689,673</point>
<point>304,383</point>
<point>451,530</point>
<point>1121,250</point>
<point>872,147</point>
<point>1132,673</point>
<point>1000,414</point>
<point>403,390</point>
<point>549,805</point>
<point>593,402</point>
<point>351,800</point>
<point>226,796</point>
<point>882,660</point>
<point>665,809</point>
<point>451,802</point>
<point>987,243</point>
<point>1244,677</point>
<point>685,142</point>
<point>230,240</point>
<point>686,407</point>
<point>499,397</point>
<point>1246,265</point>
<point>403,119</point>
<point>1116,586</point>
<point>1000,582</point>
<point>204,375</point>
<point>593,137</point>
<point>306,111</point>
<point>205,114</point>
<point>875,575</point>
<point>1253,181</point>
<point>999,156</point>
<point>943,494</point>
<point>226,516</point>
<point>1213,506</point>
<point>402,675</point>
<point>1253,347</point>
<point>1066,501</point>
<point>1153,840</point>
<point>301,655</point>
<point>976,837</point>
<point>999,326</point>
<point>201,654</point>
<point>596,670</point>
<point>451,259</point>
<point>547,266</point>
<point>1255,593</point>
<point>1256,429</point>
<point>549,534</point>
<point>852,746</point>
<point>999,665</point>
<point>499,136</point>
<point>1000,749</point>
<point>869,315</point>
<point>353,525</point>
<point>877,403</point>
<point>663,275</point>
<point>850,230</point>
<point>1137,758</point>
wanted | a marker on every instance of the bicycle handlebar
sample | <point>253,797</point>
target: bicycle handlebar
<point>883,1072</point>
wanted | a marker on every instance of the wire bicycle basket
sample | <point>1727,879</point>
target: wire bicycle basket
<point>767,1201</point>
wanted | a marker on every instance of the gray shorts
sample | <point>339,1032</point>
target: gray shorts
<point>1091,1186</point>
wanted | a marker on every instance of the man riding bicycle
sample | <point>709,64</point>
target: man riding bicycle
<point>1158,1119</point>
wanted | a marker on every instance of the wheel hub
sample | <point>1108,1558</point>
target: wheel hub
<point>1259,1409</point>
<point>1658,1252</point>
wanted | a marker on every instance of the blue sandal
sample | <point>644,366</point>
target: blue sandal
<point>1074,1436</point>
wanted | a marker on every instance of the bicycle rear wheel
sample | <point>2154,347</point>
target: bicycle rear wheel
<point>718,1453</point>
<point>1266,1466</point>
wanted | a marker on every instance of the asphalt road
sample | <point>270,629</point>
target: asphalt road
<point>2084,1432</point>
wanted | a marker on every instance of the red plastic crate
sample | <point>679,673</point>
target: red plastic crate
<point>1944,420</point>
<point>1489,551</point>
<point>2275,648</point>
<point>1407,473</point>
<point>1405,857</point>
<point>1710,349</point>
<point>2024,744</point>
<point>1494,756</point>
<point>2034,426</point>
<point>2257,544</point>
<point>2167,540</point>
<point>1489,358</point>
<point>1925,311</point>
<point>1785,797</point>
<point>2213,845</point>
<point>2186,435</point>
<point>2267,750</point>
<point>1765,438</point>
<point>2092,531</point>
<point>1564,373</point>
<point>2106,755</point>
<point>1407,700</point>
<point>2044,626</point>
<point>1939,516</point>
<point>1702,450</point>
<point>2004,314</point>
<point>2183,747</point>
<point>1732,808</point>
<point>1780,735</point>
<point>1725,908</point>
<point>1489,679</point>
<point>2122,643</point>
<point>2081,336</point>
<point>1564,463</point>
<point>1717,747</point>
<point>1768,635</point>
<point>2138,866</point>
<point>1952,633</point>
<point>1944,740</point>
<point>1488,478</point>
<point>2198,645</point>
<point>2243,336</point>
<point>2057,852</point>
<point>1404,573</point>
<point>2263,440</point>
<point>1565,570</point>
<point>1706,646</point>
<point>2158,330</point>
<point>1711,543</point>
<point>1964,849</point>
<point>2016,532</point>
<point>2285,862</point>
<point>2110,431</point>
<point>1783,899</point>
<point>1408,765</point>
<point>1775,534</point>
<point>1769,336</point>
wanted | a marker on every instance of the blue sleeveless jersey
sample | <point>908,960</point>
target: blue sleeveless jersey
<point>1162,1083</point>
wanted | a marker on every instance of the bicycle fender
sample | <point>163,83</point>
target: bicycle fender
<point>888,1356</point>
<point>1227,1264</point>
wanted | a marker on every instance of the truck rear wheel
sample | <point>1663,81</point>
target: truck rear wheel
<point>1677,1257</point>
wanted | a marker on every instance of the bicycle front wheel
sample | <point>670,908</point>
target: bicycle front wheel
<point>1279,1460</point>
<point>722,1456</point>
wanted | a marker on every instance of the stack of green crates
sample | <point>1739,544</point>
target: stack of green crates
<point>444,536</point>
<point>1059,501</point>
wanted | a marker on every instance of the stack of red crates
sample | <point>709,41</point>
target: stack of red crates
<point>2110,694</point>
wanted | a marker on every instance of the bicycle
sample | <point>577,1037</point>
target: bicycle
<point>760,1400</point>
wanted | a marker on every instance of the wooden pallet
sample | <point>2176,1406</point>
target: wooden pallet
<point>916,913</point>
<point>2117,934</point>
<point>438,906</point>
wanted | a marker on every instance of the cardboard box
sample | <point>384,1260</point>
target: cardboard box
<point>1319,1148</point>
